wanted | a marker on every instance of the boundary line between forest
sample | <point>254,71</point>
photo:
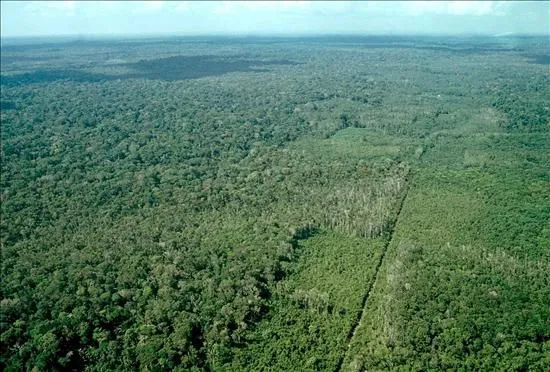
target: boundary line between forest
<point>366,296</point>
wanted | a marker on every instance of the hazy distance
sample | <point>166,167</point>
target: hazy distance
<point>110,18</point>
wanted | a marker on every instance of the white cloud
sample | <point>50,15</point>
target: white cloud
<point>333,8</point>
<point>153,5</point>
<point>470,7</point>
<point>226,7</point>
<point>68,17</point>
<point>181,6</point>
<point>473,8</point>
<point>50,6</point>
<point>274,5</point>
<point>59,5</point>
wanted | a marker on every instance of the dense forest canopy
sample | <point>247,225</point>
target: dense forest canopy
<point>322,203</point>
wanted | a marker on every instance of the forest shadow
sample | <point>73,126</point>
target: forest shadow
<point>48,76</point>
<point>539,59</point>
<point>192,67</point>
<point>167,69</point>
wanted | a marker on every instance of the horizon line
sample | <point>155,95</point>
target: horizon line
<point>257,34</point>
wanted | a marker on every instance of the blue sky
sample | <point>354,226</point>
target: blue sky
<point>44,18</point>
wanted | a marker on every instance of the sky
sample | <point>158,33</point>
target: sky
<point>89,18</point>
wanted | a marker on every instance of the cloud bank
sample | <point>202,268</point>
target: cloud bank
<point>43,18</point>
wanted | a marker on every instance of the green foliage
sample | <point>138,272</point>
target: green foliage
<point>530,112</point>
<point>314,307</point>
<point>159,213</point>
<point>465,281</point>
